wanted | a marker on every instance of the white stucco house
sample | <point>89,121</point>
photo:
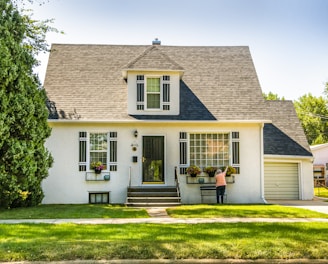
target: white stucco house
<point>148,112</point>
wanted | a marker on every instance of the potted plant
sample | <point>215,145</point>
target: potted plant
<point>210,171</point>
<point>230,170</point>
<point>193,170</point>
<point>97,166</point>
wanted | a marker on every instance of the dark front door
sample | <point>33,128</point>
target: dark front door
<point>153,159</point>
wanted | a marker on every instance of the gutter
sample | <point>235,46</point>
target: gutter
<point>80,121</point>
<point>262,163</point>
<point>289,157</point>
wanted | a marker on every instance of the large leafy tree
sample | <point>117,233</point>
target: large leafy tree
<point>313,114</point>
<point>24,160</point>
<point>271,96</point>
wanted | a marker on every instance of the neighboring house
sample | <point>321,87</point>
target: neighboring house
<point>320,163</point>
<point>147,112</point>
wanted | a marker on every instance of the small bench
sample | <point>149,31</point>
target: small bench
<point>206,191</point>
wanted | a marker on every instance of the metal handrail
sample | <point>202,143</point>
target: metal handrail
<point>177,180</point>
<point>129,176</point>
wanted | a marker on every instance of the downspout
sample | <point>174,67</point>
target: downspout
<point>262,163</point>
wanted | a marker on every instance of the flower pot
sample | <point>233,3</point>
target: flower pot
<point>193,174</point>
<point>97,171</point>
<point>211,174</point>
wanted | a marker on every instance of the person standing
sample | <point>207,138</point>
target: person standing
<point>220,183</point>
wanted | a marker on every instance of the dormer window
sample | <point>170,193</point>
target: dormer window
<point>153,92</point>
<point>153,81</point>
<point>156,96</point>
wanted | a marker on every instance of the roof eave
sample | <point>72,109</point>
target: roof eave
<point>124,121</point>
<point>291,157</point>
<point>125,71</point>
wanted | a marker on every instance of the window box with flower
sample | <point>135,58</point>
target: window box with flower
<point>210,171</point>
<point>193,170</point>
<point>231,170</point>
<point>97,166</point>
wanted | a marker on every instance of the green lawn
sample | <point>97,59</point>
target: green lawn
<point>49,242</point>
<point>321,192</point>
<point>54,242</point>
<point>63,211</point>
<point>260,211</point>
<point>185,211</point>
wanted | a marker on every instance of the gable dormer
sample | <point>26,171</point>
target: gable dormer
<point>153,81</point>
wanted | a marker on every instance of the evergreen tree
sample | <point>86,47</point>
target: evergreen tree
<point>24,160</point>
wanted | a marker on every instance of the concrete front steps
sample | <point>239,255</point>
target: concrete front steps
<point>152,196</point>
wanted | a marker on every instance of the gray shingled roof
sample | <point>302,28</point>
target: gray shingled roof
<point>153,59</point>
<point>85,81</point>
<point>285,136</point>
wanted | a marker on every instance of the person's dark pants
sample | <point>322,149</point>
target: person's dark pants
<point>220,190</point>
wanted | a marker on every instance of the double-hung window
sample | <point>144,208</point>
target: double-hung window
<point>94,147</point>
<point>153,92</point>
<point>98,148</point>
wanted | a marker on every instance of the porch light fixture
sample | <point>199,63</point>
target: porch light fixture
<point>135,133</point>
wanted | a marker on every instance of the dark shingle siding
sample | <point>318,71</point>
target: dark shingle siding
<point>285,136</point>
<point>278,143</point>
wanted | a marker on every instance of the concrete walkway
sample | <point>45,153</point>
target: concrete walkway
<point>317,204</point>
<point>158,215</point>
<point>161,220</point>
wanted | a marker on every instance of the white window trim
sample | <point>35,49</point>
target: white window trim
<point>142,105</point>
<point>88,149</point>
<point>160,77</point>
<point>231,140</point>
<point>109,163</point>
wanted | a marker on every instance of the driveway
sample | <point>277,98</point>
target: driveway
<point>317,204</point>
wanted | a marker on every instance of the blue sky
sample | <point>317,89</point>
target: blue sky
<point>288,39</point>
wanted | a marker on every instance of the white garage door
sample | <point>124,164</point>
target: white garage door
<point>281,181</point>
